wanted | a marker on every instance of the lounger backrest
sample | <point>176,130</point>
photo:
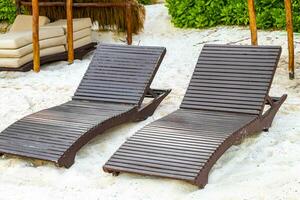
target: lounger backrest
<point>232,78</point>
<point>120,74</point>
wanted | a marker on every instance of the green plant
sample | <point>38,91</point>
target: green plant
<point>207,13</point>
<point>145,2</point>
<point>7,11</point>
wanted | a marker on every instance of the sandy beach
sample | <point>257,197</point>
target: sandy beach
<point>264,167</point>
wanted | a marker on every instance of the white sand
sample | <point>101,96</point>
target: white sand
<point>263,167</point>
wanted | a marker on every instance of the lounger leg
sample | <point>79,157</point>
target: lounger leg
<point>67,160</point>
<point>114,173</point>
<point>267,125</point>
<point>238,140</point>
<point>202,179</point>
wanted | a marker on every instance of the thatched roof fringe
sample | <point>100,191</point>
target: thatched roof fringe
<point>112,18</point>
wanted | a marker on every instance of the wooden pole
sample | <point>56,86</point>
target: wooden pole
<point>18,6</point>
<point>35,35</point>
<point>69,9</point>
<point>129,22</point>
<point>252,17</point>
<point>290,34</point>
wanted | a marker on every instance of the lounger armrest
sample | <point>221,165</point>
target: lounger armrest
<point>148,109</point>
<point>275,103</point>
<point>267,117</point>
<point>271,100</point>
<point>153,93</point>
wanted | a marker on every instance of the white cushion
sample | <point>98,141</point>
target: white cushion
<point>15,40</point>
<point>82,33</point>
<point>18,62</point>
<point>22,51</point>
<point>24,23</point>
<point>81,42</point>
<point>78,24</point>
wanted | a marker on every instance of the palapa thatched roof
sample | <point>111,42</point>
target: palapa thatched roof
<point>108,18</point>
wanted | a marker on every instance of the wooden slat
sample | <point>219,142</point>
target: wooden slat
<point>116,67</point>
<point>226,93</point>
<point>48,134</point>
<point>244,71</point>
<point>175,153</point>
<point>113,87</point>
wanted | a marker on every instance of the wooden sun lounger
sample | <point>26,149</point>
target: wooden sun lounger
<point>223,104</point>
<point>63,56</point>
<point>110,93</point>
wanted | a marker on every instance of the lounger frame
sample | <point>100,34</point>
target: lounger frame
<point>136,110</point>
<point>134,115</point>
<point>159,160</point>
<point>261,123</point>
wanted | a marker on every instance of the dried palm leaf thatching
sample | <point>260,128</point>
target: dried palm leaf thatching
<point>112,18</point>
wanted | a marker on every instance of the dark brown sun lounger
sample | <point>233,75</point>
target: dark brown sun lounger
<point>110,93</point>
<point>79,53</point>
<point>224,102</point>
